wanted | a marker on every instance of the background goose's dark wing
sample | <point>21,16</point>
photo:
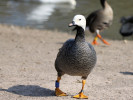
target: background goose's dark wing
<point>90,20</point>
<point>127,26</point>
<point>126,29</point>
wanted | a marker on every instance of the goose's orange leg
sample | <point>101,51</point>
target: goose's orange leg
<point>95,41</point>
<point>100,37</point>
<point>81,95</point>
<point>58,92</point>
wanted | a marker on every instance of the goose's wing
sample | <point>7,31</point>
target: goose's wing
<point>128,19</point>
<point>61,54</point>
<point>91,18</point>
<point>68,43</point>
<point>92,48</point>
<point>66,46</point>
<point>131,19</point>
<point>126,29</point>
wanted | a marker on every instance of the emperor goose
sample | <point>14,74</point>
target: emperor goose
<point>76,57</point>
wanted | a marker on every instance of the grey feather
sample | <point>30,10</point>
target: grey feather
<point>76,58</point>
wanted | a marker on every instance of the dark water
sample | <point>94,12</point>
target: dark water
<point>57,16</point>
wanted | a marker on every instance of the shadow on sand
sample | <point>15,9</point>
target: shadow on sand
<point>127,73</point>
<point>30,90</point>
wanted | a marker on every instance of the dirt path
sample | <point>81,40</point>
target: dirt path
<point>27,67</point>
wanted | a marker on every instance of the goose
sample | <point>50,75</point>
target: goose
<point>127,26</point>
<point>73,2</point>
<point>99,20</point>
<point>42,12</point>
<point>76,57</point>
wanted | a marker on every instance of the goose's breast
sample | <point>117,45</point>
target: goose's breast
<point>79,60</point>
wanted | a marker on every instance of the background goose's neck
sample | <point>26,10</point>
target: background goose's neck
<point>104,3</point>
<point>80,36</point>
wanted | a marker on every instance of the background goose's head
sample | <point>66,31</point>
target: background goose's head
<point>78,20</point>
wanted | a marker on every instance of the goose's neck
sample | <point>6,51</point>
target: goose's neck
<point>80,36</point>
<point>104,4</point>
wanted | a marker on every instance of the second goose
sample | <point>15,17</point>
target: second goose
<point>99,20</point>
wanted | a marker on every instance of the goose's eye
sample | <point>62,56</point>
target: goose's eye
<point>79,19</point>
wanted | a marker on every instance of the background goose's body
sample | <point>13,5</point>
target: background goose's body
<point>76,57</point>
<point>72,2</point>
<point>99,20</point>
<point>127,26</point>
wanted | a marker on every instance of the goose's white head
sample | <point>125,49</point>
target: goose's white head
<point>78,20</point>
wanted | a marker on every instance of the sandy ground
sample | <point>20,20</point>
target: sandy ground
<point>27,67</point>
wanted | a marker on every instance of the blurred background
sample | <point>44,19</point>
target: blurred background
<point>57,15</point>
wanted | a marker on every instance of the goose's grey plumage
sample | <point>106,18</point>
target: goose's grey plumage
<point>76,57</point>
